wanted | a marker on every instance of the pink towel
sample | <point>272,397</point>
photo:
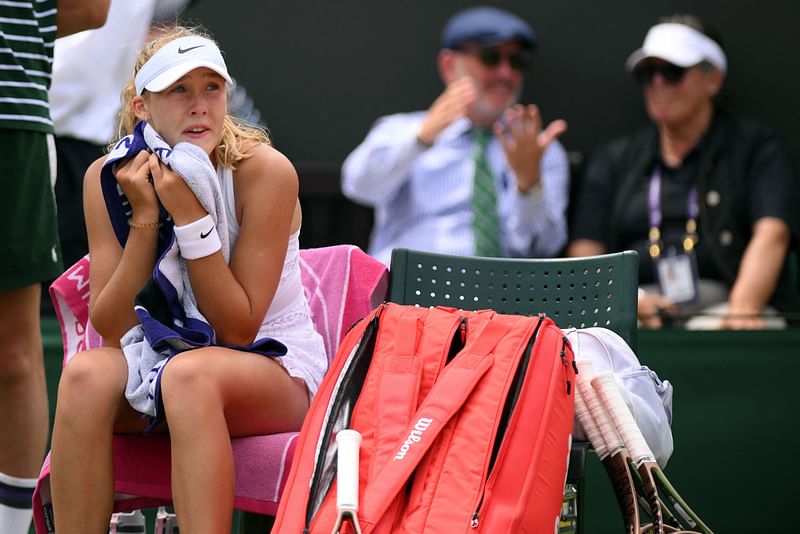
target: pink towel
<point>70,296</point>
<point>342,284</point>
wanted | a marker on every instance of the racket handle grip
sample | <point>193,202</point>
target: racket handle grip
<point>604,438</point>
<point>590,428</point>
<point>348,442</point>
<point>606,386</point>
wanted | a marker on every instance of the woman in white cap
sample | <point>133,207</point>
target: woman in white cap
<point>240,257</point>
<point>706,198</point>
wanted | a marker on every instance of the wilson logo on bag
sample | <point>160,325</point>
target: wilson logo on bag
<point>465,421</point>
<point>414,437</point>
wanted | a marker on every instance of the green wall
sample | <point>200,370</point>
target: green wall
<point>321,72</point>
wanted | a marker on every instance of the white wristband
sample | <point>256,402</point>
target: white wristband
<point>198,239</point>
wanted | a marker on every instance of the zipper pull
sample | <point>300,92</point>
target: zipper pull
<point>563,354</point>
<point>463,328</point>
<point>565,342</point>
<point>566,363</point>
<point>474,522</point>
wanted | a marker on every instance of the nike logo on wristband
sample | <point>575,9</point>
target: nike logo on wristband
<point>184,50</point>
<point>205,235</point>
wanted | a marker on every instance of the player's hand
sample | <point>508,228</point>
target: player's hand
<point>524,142</point>
<point>134,178</point>
<point>176,196</point>
<point>449,106</point>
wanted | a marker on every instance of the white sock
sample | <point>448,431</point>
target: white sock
<point>16,496</point>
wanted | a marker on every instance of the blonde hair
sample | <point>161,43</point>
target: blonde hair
<point>237,134</point>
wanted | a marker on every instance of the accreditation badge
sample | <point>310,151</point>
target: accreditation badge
<point>677,276</point>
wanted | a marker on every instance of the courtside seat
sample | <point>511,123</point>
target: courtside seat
<point>342,285</point>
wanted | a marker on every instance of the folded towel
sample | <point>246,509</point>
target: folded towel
<point>170,321</point>
<point>342,284</point>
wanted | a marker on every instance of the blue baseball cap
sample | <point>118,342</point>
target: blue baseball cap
<point>487,26</point>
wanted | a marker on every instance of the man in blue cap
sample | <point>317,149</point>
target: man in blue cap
<point>475,174</point>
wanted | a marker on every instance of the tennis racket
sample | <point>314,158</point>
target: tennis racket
<point>656,487</point>
<point>625,500</point>
<point>608,445</point>
<point>348,442</point>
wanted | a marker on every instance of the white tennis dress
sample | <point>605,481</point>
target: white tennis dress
<point>288,318</point>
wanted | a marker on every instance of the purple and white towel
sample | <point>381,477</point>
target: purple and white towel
<point>170,321</point>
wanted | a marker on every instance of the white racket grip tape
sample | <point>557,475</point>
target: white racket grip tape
<point>585,371</point>
<point>348,442</point>
<point>591,429</point>
<point>590,426</point>
<point>606,386</point>
<point>613,443</point>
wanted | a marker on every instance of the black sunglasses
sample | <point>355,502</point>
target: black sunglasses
<point>670,73</point>
<point>491,57</point>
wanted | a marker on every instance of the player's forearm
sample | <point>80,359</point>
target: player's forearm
<point>111,307</point>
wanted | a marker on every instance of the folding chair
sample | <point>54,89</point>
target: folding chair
<point>341,283</point>
<point>574,292</point>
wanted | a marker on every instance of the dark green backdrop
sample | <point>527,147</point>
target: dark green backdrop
<point>321,71</point>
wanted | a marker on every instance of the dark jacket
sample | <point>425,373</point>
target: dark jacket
<point>741,163</point>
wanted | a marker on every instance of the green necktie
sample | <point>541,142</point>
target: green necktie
<point>485,223</point>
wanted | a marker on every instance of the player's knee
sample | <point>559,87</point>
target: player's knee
<point>86,377</point>
<point>186,380</point>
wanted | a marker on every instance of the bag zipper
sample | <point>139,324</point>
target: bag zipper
<point>565,362</point>
<point>457,345</point>
<point>508,409</point>
<point>338,417</point>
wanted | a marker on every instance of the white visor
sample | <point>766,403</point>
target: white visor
<point>680,45</point>
<point>175,59</point>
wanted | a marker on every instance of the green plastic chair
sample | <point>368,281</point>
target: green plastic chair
<point>574,292</point>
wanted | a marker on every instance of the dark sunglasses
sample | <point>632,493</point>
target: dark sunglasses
<point>491,57</point>
<point>670,73</point>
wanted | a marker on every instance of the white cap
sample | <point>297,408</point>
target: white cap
<point>175,59</point>
<point>679,44</point>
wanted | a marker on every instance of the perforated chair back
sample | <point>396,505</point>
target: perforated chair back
<point>575,292</point>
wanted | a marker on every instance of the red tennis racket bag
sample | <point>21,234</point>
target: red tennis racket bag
<point>465,420</point>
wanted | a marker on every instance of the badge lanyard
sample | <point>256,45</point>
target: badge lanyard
<point>654,204</point>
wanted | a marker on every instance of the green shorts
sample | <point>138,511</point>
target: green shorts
<point>29,248</point>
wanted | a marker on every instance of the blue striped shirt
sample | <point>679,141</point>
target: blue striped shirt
<point>27,33</point>
<point>421,196</point>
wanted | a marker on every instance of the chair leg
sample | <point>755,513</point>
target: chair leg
<point>252,523</point>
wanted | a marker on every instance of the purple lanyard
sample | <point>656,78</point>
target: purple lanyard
<point>654,205</point>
